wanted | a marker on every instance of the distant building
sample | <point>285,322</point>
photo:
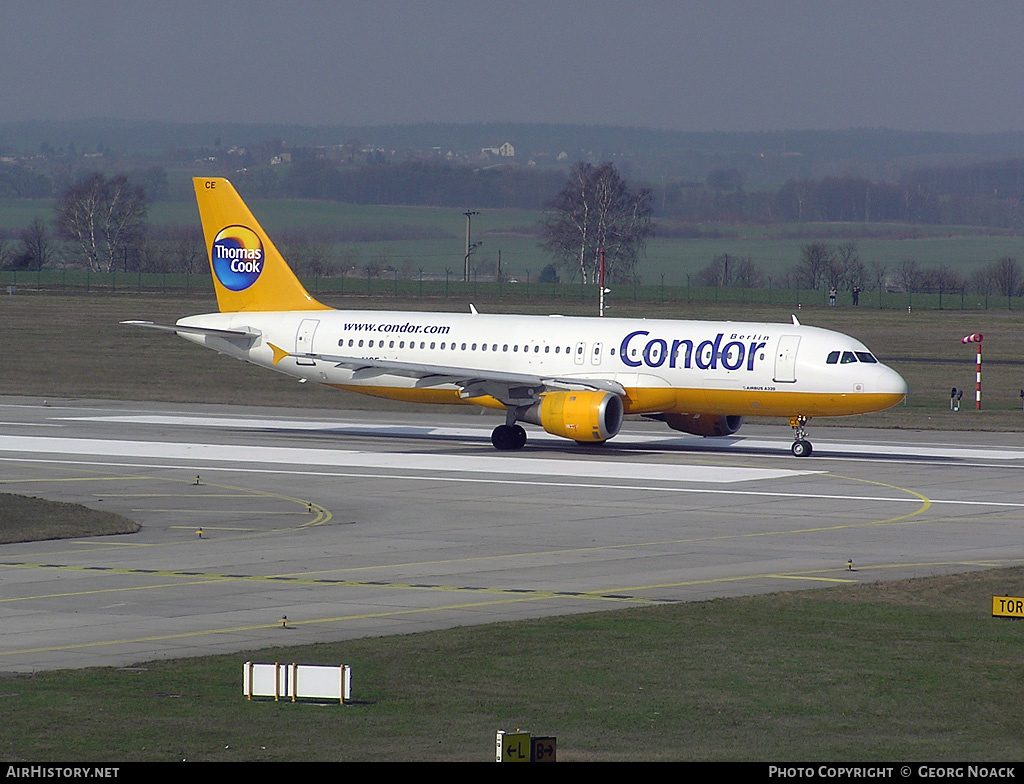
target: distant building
<point>504,151</point>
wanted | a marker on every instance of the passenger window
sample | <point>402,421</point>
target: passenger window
<point>848,357</point>
<point>864,356</point>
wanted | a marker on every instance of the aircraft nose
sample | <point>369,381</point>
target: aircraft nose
<point>891,383</point>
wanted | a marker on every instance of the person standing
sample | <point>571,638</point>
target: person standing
<point>832,297</point>
<point>856,295</point>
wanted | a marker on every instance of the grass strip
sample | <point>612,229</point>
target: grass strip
<point>30,519</point>
<point>908,670</point>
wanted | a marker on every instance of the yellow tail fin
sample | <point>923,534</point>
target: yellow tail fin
<point>249,273</point>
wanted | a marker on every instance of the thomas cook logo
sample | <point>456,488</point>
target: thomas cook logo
<point>237,257</point>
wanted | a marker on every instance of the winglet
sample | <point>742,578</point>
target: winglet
<point>279,353</point>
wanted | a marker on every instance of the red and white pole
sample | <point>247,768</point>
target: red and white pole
<point>977,337</point>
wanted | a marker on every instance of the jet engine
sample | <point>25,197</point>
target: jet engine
<point>582,416</point>
<point>703,424</point>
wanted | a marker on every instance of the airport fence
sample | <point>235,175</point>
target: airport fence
<point>72,281</point>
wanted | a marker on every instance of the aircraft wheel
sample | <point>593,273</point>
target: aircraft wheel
<point>802,448</point>
<point>507,438</point>
<point>520,436</point>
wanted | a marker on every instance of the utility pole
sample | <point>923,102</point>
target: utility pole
<point>469,248</point>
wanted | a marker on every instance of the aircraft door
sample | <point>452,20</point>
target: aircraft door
<point>304,340</point>
<point>785,359</point>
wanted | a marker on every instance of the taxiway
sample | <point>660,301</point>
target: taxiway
<point>350,524</point>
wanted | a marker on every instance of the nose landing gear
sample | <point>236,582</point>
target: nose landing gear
<point>801,446</point>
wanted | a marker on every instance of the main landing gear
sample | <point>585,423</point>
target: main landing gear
<point>508,437</point>
<point>801,446</point>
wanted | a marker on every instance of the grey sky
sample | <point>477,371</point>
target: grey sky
<point>941,65</point>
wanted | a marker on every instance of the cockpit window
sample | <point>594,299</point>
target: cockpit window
<point>849,357</point>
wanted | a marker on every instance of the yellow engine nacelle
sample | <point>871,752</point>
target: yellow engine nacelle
<point>704,424</point>
<point>581,416</point>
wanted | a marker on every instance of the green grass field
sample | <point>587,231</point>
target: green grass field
<point>774,248</point>
<point>29,519</point>
<point>913,670</point>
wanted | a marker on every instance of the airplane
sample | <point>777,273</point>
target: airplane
<point>574,377</point>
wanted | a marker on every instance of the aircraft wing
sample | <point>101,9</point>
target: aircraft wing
<point>510,388</point>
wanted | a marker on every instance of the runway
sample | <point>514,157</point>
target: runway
<point>352,525</point>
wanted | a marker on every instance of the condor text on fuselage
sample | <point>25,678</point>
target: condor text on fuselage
<point>709,353</point>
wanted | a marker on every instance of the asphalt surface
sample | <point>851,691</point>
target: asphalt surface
<point>352,524</point>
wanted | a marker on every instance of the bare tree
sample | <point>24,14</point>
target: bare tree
<point>748,274</point>
<point>847,259</point>
<point>189,248</point>
<point>945,280</point>
<point>1006,276</point>
<point>103,217</point>
<point>718,272</point>
<point>152,252</point>
<point>726,270</point>
<point>812,269</point>
<point>38,246</point>
<point>909,276</point>
<point>877,275</point>
<point>596,210</point>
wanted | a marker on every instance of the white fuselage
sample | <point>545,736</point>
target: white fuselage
<point>713,367</point>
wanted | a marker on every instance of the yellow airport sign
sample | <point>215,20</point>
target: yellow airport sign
<point>1008,606</point>
<point>512,746</point>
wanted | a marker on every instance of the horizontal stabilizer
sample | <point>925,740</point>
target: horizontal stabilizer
<point>228,334</point>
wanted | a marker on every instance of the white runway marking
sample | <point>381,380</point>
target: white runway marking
<point>483,434</point>
<point>496,464</point>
